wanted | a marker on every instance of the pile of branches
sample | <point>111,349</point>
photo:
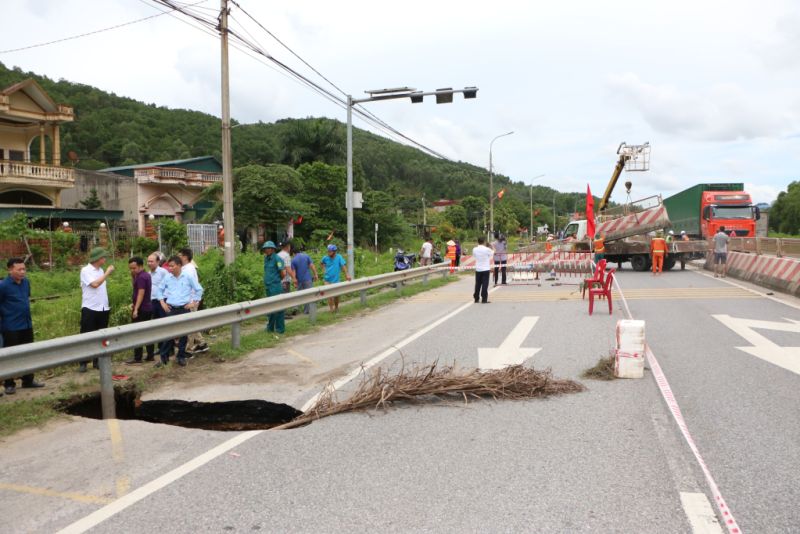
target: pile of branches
<point>378,388</point>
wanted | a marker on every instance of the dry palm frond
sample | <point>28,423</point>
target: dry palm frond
<point>602,370</point>
<point>378,388</point>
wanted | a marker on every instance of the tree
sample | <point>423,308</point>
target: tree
<point>475,207</point>
<point>784,216</point>
<point>92,202</point>
<point>379,207</point>
<point>457,216</point>
<point>313,140</point>
<point>268,194</point>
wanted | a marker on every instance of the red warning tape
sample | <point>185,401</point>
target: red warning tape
<point>677,415</point>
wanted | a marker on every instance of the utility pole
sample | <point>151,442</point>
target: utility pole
<point>424,216</point>
<point>351,265</point>
<point>227,164</point>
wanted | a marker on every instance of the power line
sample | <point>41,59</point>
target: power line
<point>303,80</point>
<point>82,34</point>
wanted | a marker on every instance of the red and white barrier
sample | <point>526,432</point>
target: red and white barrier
<point>782,274</point>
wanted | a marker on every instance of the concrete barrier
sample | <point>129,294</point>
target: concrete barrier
<point>782,274</point>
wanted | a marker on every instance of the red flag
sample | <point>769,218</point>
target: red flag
<point>590,228</point>
<point>501,193</point>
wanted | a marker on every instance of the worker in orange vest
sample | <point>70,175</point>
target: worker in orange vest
<point>600,248</point>
<point>548,245</point>
<point>658,248</point>
<point>451,255</point>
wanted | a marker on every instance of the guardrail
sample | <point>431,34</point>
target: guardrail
<point>102,344</point>
<point>766,245</point>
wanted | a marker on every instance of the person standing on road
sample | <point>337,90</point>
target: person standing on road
<point>500,256</point>
<point>426,252</point>
<point>658,248</point>
<point>196,341</point>
<point>332,265</point>
<point>483,258</point>
<point>180,293</point>
<point>15,314</point>
<point>142,304</point>
<point>721,253</point>
<point>451,255</point>
<point>94,296</point>
<point>286,255</point>
<point>303,267</point>
<point>157,276</point>
<point>274,273</point>
<point>600,248</point>
<point>458,253</point>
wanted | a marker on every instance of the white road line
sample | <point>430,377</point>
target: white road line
<point>701,516</point>
<point>751,290</point>
<point>97,517</point>
<point>388,352</point>
<point>108,511</point>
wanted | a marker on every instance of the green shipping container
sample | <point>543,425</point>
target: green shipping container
<point>684,208</point>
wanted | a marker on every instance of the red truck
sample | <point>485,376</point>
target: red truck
<point>702,209</point>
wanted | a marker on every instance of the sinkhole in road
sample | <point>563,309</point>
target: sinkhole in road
<point>230,416</point>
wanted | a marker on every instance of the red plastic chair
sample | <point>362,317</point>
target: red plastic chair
<point>597,279</point>
<point>602,291</point>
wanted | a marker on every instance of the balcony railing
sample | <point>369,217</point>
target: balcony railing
<point>23,173</point>
<point>161,175</point>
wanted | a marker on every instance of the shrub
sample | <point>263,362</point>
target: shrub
<point>226,284</point>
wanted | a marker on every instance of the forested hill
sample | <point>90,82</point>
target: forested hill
<point>111,130</point>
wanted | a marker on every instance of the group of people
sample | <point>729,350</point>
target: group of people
<point>484,256</point>
<point>286,267</point>
<point>170,288</point>
<point>452,253</point>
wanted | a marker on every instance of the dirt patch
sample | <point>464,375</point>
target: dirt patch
<point>602,370</point>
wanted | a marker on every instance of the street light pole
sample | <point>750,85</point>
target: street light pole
<point>491,183</point>
<point>530,228</point>
<point>443,96</point>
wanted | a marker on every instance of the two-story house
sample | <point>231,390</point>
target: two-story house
<point>171,189</point>
<point>31,174</point>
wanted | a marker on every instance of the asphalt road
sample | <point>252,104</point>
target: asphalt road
<point>609,459</point>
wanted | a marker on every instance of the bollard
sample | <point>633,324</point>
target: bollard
<point>363,296</point>
<point>312,312</point>
<point>107,388</point>
<point>236,335</point>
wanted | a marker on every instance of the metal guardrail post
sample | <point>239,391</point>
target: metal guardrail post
<point>444,274</point>
<point>399,288</point>
<point>312,312</point>
<point>425,280</point>
<point>107,388</point>
<point>363,296</point>
<point>236,335</point>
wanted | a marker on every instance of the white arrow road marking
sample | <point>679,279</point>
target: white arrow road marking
<point>786,357</point>
<point>509,352</point>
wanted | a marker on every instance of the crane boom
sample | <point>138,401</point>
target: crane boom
<point>632,158</point>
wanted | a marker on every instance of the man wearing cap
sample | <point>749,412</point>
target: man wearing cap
<point>332,265</point>
<point>274,272</point>
<point>684,236</point>
<point>94,296</point>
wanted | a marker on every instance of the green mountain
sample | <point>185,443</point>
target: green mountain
<point>111,130</point>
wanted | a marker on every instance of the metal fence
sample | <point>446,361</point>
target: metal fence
<point>201,237</point>
<point>103,344</point>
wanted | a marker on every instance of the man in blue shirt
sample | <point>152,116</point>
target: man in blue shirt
<point>15,313</point>
<point>157,274</point>
<point>303,266</point>
<point>179,293</point>
<point>332,265</point>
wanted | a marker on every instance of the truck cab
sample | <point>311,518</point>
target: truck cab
<point>732,209</point>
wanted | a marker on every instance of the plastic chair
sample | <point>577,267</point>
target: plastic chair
<point>602,291</point>
<point>599,276</point>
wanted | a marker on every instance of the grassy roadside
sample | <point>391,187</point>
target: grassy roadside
<point>36,411</point>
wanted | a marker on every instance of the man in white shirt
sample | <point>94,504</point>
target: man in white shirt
<point>483,258</point>
<point>189,268</point>
<point>426,252</point>
<point>94,296</point>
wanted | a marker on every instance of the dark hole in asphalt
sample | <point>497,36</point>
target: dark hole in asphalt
<point>230,415</point>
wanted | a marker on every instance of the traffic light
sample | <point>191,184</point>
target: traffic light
<point>416,97</point>
<point>470,92</point>
<point>444,98</point>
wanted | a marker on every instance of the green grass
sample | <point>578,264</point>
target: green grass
<point>781,235</point>
<point>20,414</point>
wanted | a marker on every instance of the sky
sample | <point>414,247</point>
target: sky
<point>711,85</point>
